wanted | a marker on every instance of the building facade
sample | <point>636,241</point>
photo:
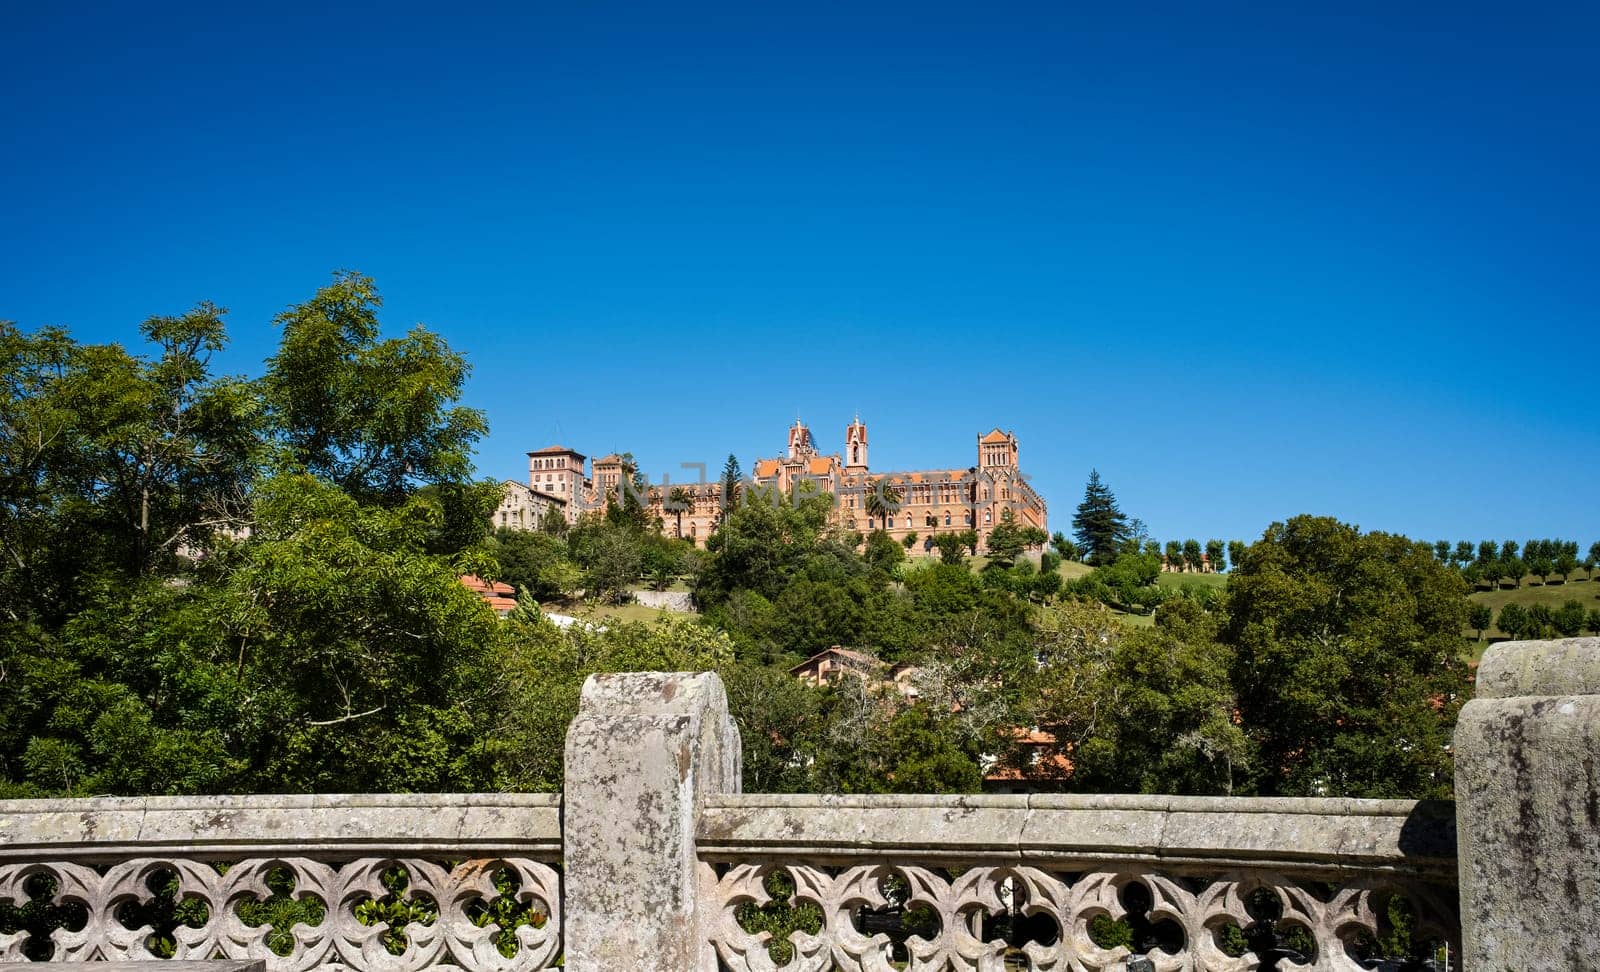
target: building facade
<point>923,502</point>
<point>524,507</point>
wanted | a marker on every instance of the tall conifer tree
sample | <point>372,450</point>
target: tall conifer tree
<point>1100,525</point>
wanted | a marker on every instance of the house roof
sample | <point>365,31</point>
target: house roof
<point>482,587</point>
<point>995,436</point>
<point>556,450</point>
<point>1054,767</point>
<point>609,460</point>
<point>766,467</point>
<point>860,657</point>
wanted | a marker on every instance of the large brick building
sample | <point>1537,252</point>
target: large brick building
<point>923,502</point>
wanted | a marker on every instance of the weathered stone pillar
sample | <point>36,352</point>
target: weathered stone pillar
<point>1527,754</point>
<point>644,749</point>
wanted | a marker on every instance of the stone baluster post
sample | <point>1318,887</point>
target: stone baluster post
<point>643,750</point>
<point>1527,754</point>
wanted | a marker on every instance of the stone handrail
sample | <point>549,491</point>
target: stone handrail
<point>1068,861</point>
<point>1326,837</point>
<point>326,864</point>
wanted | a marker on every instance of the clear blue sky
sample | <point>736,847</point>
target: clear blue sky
<point>1247,261</point>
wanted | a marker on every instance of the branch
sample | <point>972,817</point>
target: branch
<point>345,718</point>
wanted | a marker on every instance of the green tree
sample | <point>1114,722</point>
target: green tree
<point>554,522</point>
<point>375,418</point>
<point>1464,553</point>
<point>1346,660</point>
<point>1488,552</point>
<point>1005,540</point>
<point>1592,621</point>
<point>882,552</point>
<point>1192,556</point>
<point>1593,559</point>
<point>678,500</point>
<point>612,559</point>
<point>1514,621</point>
<point>1565,560</point>
<point>1539,562</point>
<point>1217,554</point>
<point>732,476</point>
<point>1099,525</point>
<point>1174,554</point>
<point>1066,548</point>
<point>219,585</point>
<point>909,540</point>
<point>1236,550</point>
<point>1441,551</point>
<point>527,561</point>
<point>1480,616</point>
<point>1514,569</point>
<point>1569,618</point>
<point>1171,727</point>
<point>950,547</point>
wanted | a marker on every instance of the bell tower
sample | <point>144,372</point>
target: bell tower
<point>855,446</point>
<point>800,440</point>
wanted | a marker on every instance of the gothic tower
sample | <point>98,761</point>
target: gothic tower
<point>855,447</point>
<point>997,450</point>
<point>800,440</point>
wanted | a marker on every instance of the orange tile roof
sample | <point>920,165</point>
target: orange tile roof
<point>820,467</point>
<point>483,587</point>
<point>612,459</point>
<point>995,436</point>
<point>767,467</point>
<point>1057,767</point>
<point>556,450</point>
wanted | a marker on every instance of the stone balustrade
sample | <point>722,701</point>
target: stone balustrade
<point>655,861</point>
<point>1049,866</point>
<point>208,877</point>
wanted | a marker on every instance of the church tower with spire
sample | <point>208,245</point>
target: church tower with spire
<point>855,447</point>
<point>800,441</point>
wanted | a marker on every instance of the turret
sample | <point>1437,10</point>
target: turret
<point>855,446</point>
<point>997,449</point>
<point>800,440</point>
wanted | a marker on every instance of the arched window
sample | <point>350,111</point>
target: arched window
<point>947,518</point>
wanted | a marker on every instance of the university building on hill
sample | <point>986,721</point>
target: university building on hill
<point>923,502</point>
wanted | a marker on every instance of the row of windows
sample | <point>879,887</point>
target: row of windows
<point>889,522</point>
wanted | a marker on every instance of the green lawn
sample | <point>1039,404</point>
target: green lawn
<point>602,613</point>
<point>1179,581</point>
<point>1531,592</point>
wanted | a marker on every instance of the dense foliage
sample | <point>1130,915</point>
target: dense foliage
<point>227,584</point>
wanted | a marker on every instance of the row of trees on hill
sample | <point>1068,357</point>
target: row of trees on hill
<point>1538,620</point>
<point>1491,563</point>
<point>1102,532</point>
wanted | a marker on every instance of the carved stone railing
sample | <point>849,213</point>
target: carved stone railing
<point>365,882</point>
<point>655,862</point>
<point>1030,876</point>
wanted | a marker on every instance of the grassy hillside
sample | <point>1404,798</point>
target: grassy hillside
<point>1180,581</point>
<point>1531,592</point>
